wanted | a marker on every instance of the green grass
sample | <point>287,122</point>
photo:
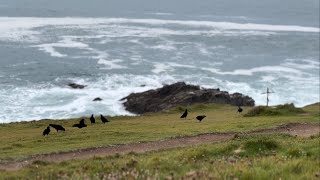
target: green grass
<point>23,139</point>
<point>246,157</point>
<point>280,110</point>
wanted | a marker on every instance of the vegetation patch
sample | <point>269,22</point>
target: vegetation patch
<point>280,110</point>
<point>296,152</point>
<point>197,108</point>
<point>39,162</point>
<point>195,154</point>
<point>258,146</point>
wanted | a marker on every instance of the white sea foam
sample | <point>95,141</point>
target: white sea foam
<point>285,92</point>
<point>136,58</point>
<point>269,79</point>
<point>50,49</point>
<point>165,47</point>
<point>22,28</point>
<point>135,41</point>
<point>23,64</point>
<point>99,54</point>
<point>105,41</point>
<point>161,67</point>
<point>48,101</point>
<point>124,30</point>
<point>224,17</point>
<point>161,13</point>
<point>180,65</point>
<point>111,64</point>
<point>66,42</point>
<point>302,63</point>
<point>220,25</point>
<point>250,72</point>
<point>290,83</point>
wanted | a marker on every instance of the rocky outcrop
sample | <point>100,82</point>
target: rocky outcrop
<point>180,93</point>
<point>76,86</point>
<point>97,99</point>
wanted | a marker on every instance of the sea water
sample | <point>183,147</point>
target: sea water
<point>120,47</point>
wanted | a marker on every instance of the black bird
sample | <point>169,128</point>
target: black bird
<point>82,122</point>
<point>103,119</point>
<point>239,109</point>
<point>185,114</point>
<point>80,125</point>
<point>200,118</point>
<point>46,131</point>
<point>92,119</point>
<point>57,127</point>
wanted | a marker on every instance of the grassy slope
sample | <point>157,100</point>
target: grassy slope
<point>19,140</point>
<point>247,157</point>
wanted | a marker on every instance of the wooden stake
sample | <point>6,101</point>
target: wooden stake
<point>268,92</point>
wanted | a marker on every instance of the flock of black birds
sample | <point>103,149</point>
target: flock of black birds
<point>80,125</point>
<point>201,117</point>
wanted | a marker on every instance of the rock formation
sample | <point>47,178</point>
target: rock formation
<point>97,99</point>
<point>178,94</point>
<point>76,86</point>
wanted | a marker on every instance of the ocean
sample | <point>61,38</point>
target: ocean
<point>117,47</point>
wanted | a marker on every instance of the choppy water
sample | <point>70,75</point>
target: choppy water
<point>117,48</point>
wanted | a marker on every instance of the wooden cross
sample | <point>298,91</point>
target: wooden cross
<point>268,92</point>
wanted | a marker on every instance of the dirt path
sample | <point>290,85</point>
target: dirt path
<point>295,129</point>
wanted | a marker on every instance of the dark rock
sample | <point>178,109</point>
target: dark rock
<point>97,99</point>
<point>76,86</point>
<point>179,93</point>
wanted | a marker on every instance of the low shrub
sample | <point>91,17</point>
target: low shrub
<point>285,109</point>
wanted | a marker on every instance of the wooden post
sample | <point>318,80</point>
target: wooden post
<point>268,92</point>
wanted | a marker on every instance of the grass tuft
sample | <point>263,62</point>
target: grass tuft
<point>196,154</point>
<point>260,146</point>
<point>280,110</point>
<point>132,163</point>
<point>40,163</point>
<point>295,152</point>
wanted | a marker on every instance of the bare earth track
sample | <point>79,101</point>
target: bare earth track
<point>294,129</point>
